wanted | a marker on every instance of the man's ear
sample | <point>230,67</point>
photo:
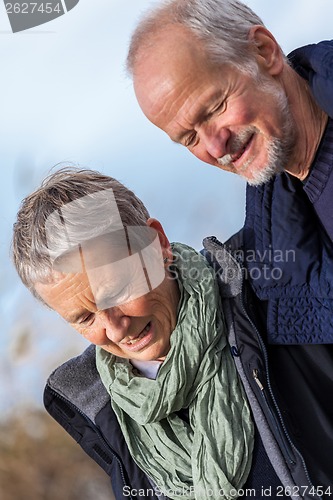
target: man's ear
<point>267,51</point>
<point>165,245</point>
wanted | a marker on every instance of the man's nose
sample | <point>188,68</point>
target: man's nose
<point>214,139</point>
<point>115,324</point>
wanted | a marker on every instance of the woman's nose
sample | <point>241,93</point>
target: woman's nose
<point>115,324</point>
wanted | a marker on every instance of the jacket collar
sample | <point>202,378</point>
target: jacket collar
<point>315,64</point>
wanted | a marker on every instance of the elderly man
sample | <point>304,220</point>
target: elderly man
<point>211,75</point>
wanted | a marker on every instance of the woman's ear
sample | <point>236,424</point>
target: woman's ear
<point>165,245</point>
<point>267,51</point>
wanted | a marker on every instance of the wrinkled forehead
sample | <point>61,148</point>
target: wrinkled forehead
<point>170,55</point>
<point>173,77</point>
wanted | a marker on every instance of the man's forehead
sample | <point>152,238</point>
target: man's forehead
<point>165,80</point>
<point>172,50</point>
<point>176,98</point>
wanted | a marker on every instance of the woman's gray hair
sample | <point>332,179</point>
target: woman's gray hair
<point>98,204</point>
<point>222,25</point>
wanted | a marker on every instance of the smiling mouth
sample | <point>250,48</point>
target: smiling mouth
<point>140,336</point>
<point>141,340</point>
<point>239,147</point>
<point>237,156</point>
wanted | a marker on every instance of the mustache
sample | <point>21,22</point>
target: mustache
<point>236,145</point>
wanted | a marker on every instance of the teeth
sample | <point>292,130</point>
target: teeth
<point>136,340</point>
<point>142,334</point>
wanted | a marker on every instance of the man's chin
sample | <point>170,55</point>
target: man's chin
<point>263,176</point>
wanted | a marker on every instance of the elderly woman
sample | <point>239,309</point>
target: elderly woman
<point>86,246</point>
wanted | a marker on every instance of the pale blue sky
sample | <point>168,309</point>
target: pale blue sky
<point>65,97</point>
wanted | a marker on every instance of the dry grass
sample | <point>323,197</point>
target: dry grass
<point>39,461</point>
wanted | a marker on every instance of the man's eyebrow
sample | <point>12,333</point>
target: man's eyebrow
<point>177,138</point>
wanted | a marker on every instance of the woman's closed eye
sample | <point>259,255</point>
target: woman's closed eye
<point>87,320</point>
<point>191,140</point>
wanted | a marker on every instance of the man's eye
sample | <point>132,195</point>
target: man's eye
<point>219,109</point>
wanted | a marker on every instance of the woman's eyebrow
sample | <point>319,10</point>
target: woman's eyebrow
<point>76,317</point>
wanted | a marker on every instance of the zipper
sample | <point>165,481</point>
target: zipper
<point>285,439</point>
<point>278,423</point>
<point>286,446</point>
<point>78,410</point>
<point>255,373</point>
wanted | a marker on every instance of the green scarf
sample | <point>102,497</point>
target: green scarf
<point>211,456</point>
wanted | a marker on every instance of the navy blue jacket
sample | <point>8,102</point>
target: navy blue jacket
<point>288,230</point>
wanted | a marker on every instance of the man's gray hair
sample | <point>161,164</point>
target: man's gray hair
<point>32,239</point>
<point>222,25</point>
